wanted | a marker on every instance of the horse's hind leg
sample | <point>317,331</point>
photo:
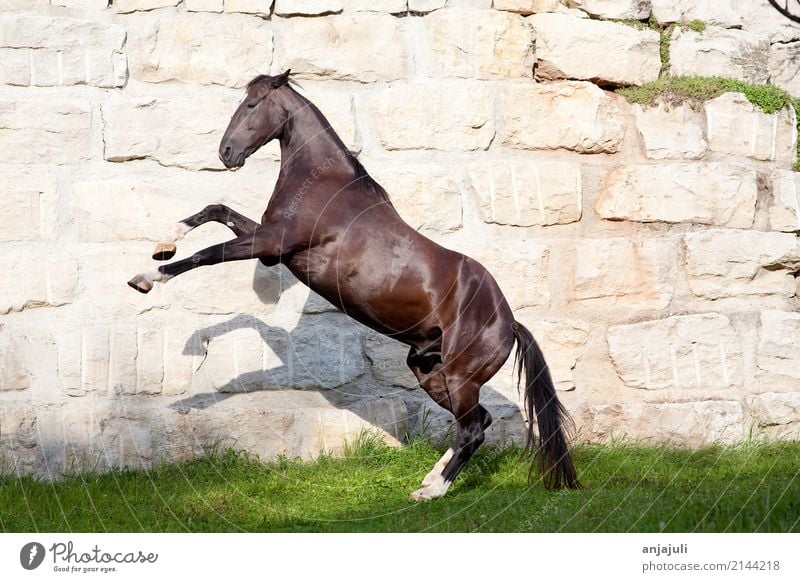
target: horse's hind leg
<point>238,223</point>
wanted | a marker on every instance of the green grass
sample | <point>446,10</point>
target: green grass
<point>752,487</point>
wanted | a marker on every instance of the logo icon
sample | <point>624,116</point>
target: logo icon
<point>31,555</point>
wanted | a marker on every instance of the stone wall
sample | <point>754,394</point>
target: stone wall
<point>652,250</point>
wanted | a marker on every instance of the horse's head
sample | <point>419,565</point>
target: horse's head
<point>257,120</point>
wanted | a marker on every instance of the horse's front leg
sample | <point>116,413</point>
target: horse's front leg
<point>263,243</point>
<point>238,223</point>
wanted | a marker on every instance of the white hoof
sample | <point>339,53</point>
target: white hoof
<point>437,468</point>
<point>433,491</point>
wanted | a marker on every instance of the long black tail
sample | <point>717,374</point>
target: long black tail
<point>542,403</point>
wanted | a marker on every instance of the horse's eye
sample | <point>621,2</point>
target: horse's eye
<point>252,104</point>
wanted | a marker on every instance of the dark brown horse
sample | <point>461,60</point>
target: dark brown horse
<point>334,227</point>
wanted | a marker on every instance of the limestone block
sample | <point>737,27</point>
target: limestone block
<point>307,7</point>
<point>126,6</point>
<point>682,424</point>
<point>784,209</point>
<point>25,201</point>
<point>614,9</point>
<point>718,12</point>
<point>204,5</point>
<point>428,198</point>
<point>255,7</point>
<point>719,52</point>
<point>760,17</point>
<point>84,361</point>
<point>689,351</point>
<point>776,408</point>
<point>778,346</point>
<point>714,194</point>
<point>422,6</point>
<point>160,126</point>
<point>484,45</point>
<point>45,129</point>
<point>39,280</point>
<point>728,263</point>
<point>82,4</point>
<point>526,7</point>
<point>736,126</point>
<point>389,6</point>
<point>177,49</point>
<point>306,47</point>
<point>445,116</point>
<point>671,131</point>
<point>15,373</point>
<point>527,192</point>
<point>520,267</point>
<point>604,52</point>
<point>49,51</point>
<point>580,117</point>
<point>622,272</point>
<point>783,70</point>
<point>563,342</point>
<point>387,360</point>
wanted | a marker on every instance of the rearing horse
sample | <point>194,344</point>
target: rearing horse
<point>335,229</point>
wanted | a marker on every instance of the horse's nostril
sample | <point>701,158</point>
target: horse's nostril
<point>227,153</point>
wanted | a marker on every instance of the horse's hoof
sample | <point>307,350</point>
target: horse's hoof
<point>142,283</point>
<point>164,251</point>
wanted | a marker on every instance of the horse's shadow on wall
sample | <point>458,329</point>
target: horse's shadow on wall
<point>341,373</point>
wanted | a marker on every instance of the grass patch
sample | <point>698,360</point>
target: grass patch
<point>748,488</point>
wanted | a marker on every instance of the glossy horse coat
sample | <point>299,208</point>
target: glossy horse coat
<point>334,227</point>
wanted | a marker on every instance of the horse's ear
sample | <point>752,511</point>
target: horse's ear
<point>281,79</point>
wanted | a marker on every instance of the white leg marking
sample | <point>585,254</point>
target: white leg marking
<point>180,232</point>
<point>157,276</point>
<point>436,489</point>
<point>438,468</point>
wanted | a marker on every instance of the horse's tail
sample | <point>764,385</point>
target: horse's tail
<point>541,402</point>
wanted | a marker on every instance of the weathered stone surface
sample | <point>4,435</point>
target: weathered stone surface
<point>126,6</point>
<point>760,17</point>
<point>14,373</point>
<point>520,267</point>
<point>715,194</point>
<point>671,131</point>
<point>161,127</point>
<point>779,344</point>
<point>389,6</point>
<point>567,48</point>
<point>614,9</point>
<point>307,7</point>
<point>424,6</point>
<point>204,5</point>
<point>527,192</point>
<point>387,359</point>
<point>48,51</point>
<point>54,130</point>
<point>429,199</point>
<point>726,263</point>
<point>784,209</point>
<point>82,4</point>
<point>526,6</point>
<point>453,115</point>
<point>38,280</point>
<point>25,200</point>
<point>621,272</point>
<point>684,424</point>
<point>776,409</point>
<point>177,49</point>
<point>563,341</point>
<point>719,12</point>
<point>719,52</point>
<point>783,70</point>
<point>487,45</point>
<point>580,117</point>
<point>306,47</point>
<point>688,351</point>
<point>256,7</point>
<point>736,126</point>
